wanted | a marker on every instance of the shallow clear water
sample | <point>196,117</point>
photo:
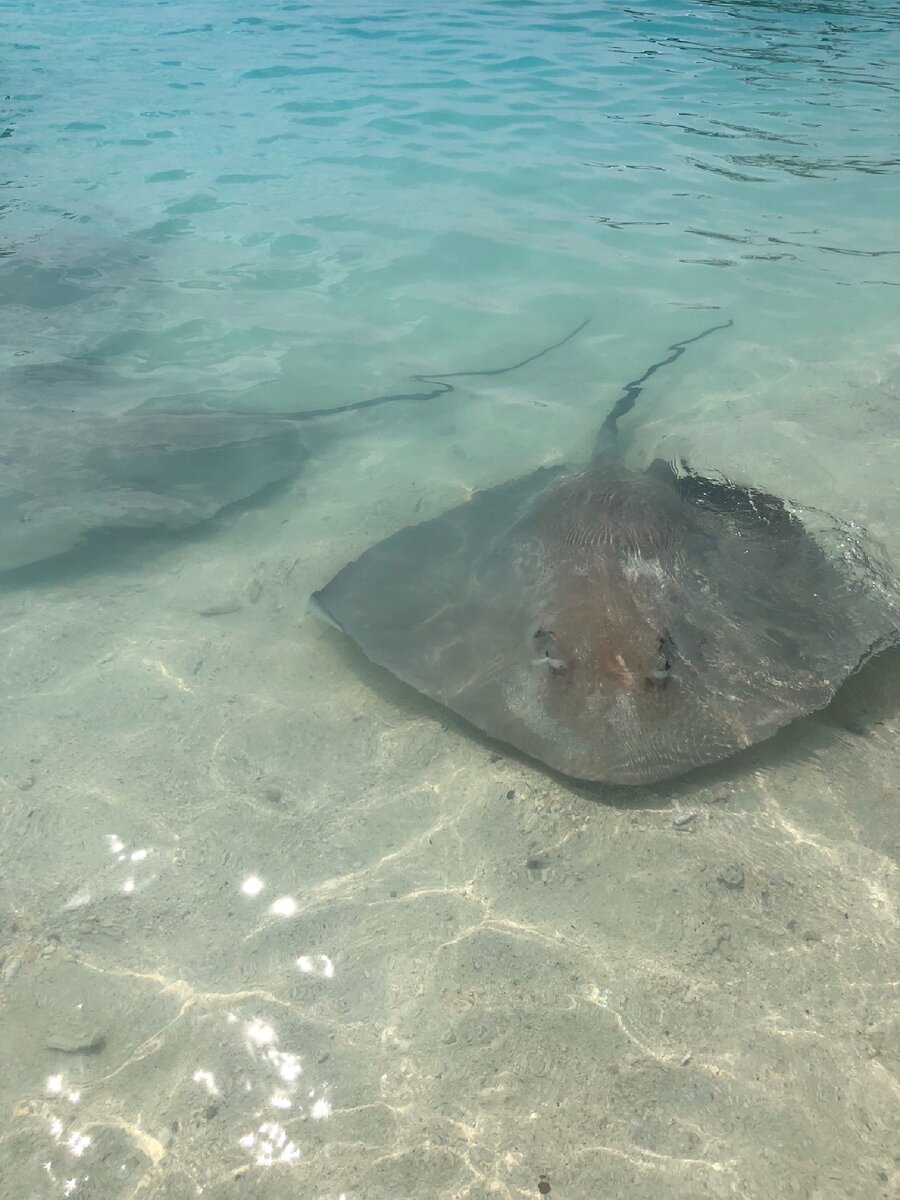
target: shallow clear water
<point>297,208</point>
<point>322,197</point>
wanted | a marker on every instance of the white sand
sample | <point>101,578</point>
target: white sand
<point>407,1008</point>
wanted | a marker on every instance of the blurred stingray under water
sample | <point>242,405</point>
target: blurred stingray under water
<point>70,473</point>
<point>616,625</point>
<point>66,476</point>
<point>80,451</point>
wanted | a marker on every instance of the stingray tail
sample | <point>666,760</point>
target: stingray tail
<point>609,430</point>
<point>436,381</point>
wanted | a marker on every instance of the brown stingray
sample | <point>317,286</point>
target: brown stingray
<point>615,625</point>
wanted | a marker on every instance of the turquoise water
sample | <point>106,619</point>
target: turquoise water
<point>269,921</point>
<point>311,199</point>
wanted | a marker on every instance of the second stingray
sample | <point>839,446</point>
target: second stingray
<point>621,626</point>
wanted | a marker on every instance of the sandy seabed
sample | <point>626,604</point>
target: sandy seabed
<point>275,926</point>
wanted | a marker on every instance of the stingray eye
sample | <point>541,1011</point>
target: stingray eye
<point>544,642</point>
<point>661,675</point>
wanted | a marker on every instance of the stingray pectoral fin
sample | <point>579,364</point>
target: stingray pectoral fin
<point>400,598</point>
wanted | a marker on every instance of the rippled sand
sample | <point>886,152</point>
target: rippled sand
<point>273,925</point>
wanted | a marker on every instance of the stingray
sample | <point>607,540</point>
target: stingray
<point>621,626</point>
<point>65,477</point>
<point>70,475</point>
